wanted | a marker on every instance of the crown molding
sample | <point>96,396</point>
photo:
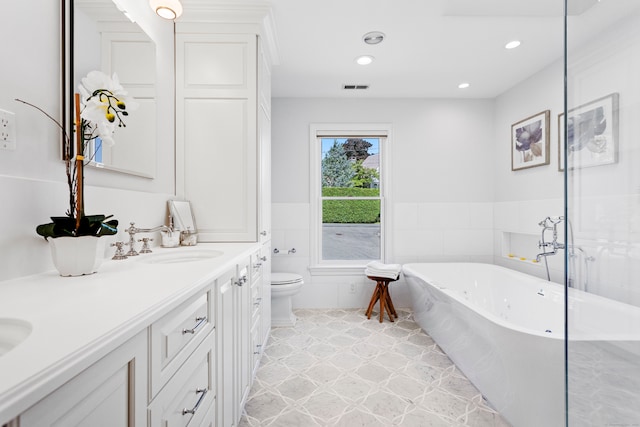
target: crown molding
<point>202,15</point>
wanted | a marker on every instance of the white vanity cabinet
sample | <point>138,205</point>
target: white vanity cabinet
<point>234,381</point>
<point>190,359</point>
<point>110,393</point>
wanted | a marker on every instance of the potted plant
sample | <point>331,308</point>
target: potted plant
<point>75,241</point>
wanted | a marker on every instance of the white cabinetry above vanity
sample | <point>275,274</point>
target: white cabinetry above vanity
<point>223,129</point>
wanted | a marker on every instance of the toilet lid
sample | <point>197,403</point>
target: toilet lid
<point>285,278</point>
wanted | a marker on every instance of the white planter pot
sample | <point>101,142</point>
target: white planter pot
<point>76,256</point>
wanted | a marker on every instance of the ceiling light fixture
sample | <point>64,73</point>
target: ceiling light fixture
<point>374,37</point>
<point>364,60</point>
<point>512,44</point>
<point>167,9</point>
<point>463,85</point>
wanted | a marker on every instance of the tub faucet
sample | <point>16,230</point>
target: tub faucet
<point>549,224</point>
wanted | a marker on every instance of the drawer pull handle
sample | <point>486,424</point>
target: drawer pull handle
<point>263,258</point>
<point>241,281</point>
<point>258,301</point>
<point>192,411</point>
<point>257,265</point>
<point>200,321</point>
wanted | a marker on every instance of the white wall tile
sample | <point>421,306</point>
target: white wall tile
<point>455,216</point>
<point>277,239</point>
<point>298,240</point>
<point>405,216</point>
<point>505,216</point>
<point>481,216</point>
<point>23,252</point>
<point>468,242</point>
<point>417,242</point>
<point>531,212</point>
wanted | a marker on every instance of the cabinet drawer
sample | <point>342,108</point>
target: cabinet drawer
<point>176,335</point>
<point>189,396</point>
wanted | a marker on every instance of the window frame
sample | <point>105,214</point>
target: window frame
<point>318,266</point>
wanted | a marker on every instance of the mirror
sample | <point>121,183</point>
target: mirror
<point>183,219</point>
<point>105,39</point>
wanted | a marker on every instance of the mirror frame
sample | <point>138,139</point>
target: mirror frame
<point>67,59</point>
<point>66,62</point>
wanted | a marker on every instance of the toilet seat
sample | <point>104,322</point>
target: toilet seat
<point>278,279</point>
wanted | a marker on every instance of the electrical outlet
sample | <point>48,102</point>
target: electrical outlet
<point>352,288</point>
<point>7,130</point>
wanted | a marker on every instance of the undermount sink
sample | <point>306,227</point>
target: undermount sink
<point>12,333</point>
<point>175,257</point>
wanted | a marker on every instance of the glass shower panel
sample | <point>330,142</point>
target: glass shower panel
<point>602,119</point>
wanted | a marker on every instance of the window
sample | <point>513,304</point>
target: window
<point>348,194</point>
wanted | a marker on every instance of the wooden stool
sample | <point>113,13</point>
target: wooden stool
<point>382,293</point>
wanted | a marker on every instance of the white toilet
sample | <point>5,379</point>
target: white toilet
<point>283,287</point>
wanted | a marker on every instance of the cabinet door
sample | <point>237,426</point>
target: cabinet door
<point>243,319</point>
<point>227,363</point>
<point>216,136</point>
<point>110,393</point>
<point>233,290</point>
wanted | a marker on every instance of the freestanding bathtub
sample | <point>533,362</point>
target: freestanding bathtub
<point>505,331</point>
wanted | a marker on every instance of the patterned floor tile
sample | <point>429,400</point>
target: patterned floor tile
<point>336,368</point>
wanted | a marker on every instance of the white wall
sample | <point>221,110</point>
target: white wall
<point>525,197</point>
<point>32,178</point>
<point>441,190</point>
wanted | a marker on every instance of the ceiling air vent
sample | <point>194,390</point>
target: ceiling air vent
<point>355,87</point>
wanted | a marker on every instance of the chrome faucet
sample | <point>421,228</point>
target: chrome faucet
<point>133,230</point>
<point>549,224</point>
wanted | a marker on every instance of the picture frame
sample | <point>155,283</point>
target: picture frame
<point>530,142</point>
<point>596,140</point>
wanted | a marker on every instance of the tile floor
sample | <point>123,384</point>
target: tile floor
<point>336,368</point>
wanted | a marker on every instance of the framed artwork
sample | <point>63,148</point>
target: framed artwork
<point>530,142</point>
<point>592,134</point>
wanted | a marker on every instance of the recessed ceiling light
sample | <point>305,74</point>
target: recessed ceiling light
<point>463,85</point>
<point>512,44</point>
<point>364,60</point>
<point>374,37</point>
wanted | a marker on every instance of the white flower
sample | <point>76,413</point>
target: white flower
<point>104,103</point>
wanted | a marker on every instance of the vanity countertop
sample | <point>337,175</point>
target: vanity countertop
<point>78,320</point>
